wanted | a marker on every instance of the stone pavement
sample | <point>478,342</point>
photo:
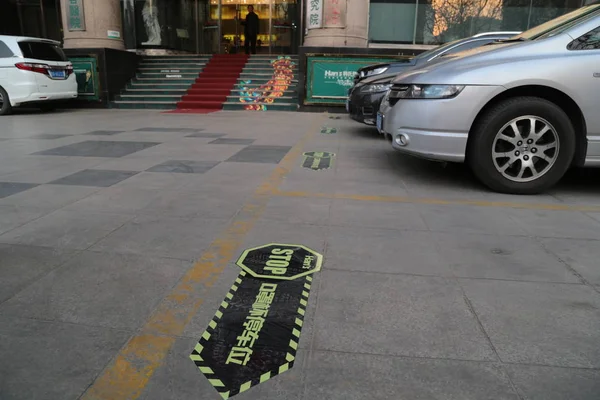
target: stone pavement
<point>119,233</point>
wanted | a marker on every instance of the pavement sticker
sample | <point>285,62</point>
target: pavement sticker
<point>328,131</point>
<point>419,200</point>
<point>131,369</point>
<point>318,160</point>
<point>254,334</point>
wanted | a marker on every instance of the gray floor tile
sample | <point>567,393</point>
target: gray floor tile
<point>579,254</point>
<point>501,257</point>
<point>66,230</point>
<point>186,167</point>
<point>298,210</point>
<point>154,129</point>
<point>345,376</point>
<point>49,197</point>
<point>115,200</point>
<point>547,383</point>
<point>396,315</point>
<point>539,323</point>
<point>93,148</point>
<point>566,224</point>
<point>376,215</point>
<point>13,216</point>
<point>206,135</point>
<point>50,360</point>
<point>22,265</point>
<point>95,178</point>
<point>261,154</point>
<point>49,136</point>
<point>99,289</point>
<point>183,238</point>
<point>103,133</point>
<point>386,251</point>
<point>11,188</point>
<point>232,141</point>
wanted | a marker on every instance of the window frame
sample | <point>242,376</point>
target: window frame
<point>571,45</point>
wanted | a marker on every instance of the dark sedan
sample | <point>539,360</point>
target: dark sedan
<point>365,98</point>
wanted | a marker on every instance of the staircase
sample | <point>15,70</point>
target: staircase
<point>267,83</point>
<point>161,81</point>
<point>218,78</point>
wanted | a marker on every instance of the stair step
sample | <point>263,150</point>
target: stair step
<point>157,105</point>
<point>268,106</point>
<point>187,81</point>
<point>171,75</point>
<point>156,91</point>
<point>152,97</point>
<point>171,69</point>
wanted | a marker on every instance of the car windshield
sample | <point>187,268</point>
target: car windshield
<point>42,51</point>
<point>560,24</point>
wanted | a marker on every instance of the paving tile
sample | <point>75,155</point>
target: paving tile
<point>49,197</point>
<point>386,251</point>
<point>579,254</point>
<point>100,289</point>
<point>93,148</point>
<point>117,200</point>
<point>14,215</point>
<point>261,154</point>
<point>345,376</point>
<point>50,360</point>
<point>11,188</point>
<point>470,219</point>
<point>396,315</point>
<point>103,133</point>
<point>547,383</point>
<point>206,135</point>
<point>376,215</point>
<point>298,210</point>
<point>65,230</point>
<point>179,378</point>
<point>49,136</point>
<point>565,224</point>
<point>185,167</point>
<point>183,238</point>
<point>232,141</point>
<point>501,257</point>
<point>95,178</point>
<point>154,129</point>
<point>22,265</point>
<point>539,323</point>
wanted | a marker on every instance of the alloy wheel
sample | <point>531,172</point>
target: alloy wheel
<point>525,148</point>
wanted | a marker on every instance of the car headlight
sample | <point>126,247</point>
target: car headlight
<point>425,91</point>
<point>377,88</point>
<point>377,71</point>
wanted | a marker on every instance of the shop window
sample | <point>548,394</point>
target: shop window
<point>589,41</point>
<point>441,21</point>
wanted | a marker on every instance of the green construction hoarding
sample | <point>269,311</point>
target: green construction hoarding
<point>328,78</point>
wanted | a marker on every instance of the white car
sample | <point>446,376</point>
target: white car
<point>34,72</point>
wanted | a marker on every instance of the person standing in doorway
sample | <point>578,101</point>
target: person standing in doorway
<point>251,30</point>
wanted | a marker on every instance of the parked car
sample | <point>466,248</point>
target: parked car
<point>364,99</point>
<point>34,72</point>
<point>448,48</point>
<point>519,112</point>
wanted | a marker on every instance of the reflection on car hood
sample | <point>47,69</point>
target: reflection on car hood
<point>486,65</point>
<point>382,78</point>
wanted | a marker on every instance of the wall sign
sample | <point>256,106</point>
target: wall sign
<point>254,334</point>
<point>113,34</point>
<point>328,78</point>
<point>334,14</point>
<point>75,15</point>
<point>318,160</point>
<point>314,14</point>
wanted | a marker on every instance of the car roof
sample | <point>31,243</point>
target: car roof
<point>499,33</point>
<point>17,39</point>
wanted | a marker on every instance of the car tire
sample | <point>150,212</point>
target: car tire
<point>527,163</point>
<point>5,108</point>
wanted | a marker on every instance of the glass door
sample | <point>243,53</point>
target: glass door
<point>285,17</point>
<point>209,29</point>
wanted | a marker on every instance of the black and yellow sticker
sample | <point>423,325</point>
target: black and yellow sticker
<point>334,117</point>
<point>318,160</point>
<point>254,334</point>
<point>327,130</point>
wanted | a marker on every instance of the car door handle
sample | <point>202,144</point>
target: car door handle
<point>596,74</point>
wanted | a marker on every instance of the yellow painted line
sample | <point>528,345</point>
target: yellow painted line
<point>132,368</point>
<point>421,200</point>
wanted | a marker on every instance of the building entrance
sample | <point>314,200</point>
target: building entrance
<point>210,26</point>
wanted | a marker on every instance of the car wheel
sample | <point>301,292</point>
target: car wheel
<point>522,145</point>
<point>5,107</point>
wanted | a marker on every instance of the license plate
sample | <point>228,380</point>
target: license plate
<point>57,74</point>
<point>379,122</point>
<point>347,105</point>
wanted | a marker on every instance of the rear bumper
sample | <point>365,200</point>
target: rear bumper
<point>37,98</point>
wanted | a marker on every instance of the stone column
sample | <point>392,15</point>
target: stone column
<point>102,20</point>
<point>355,34</point>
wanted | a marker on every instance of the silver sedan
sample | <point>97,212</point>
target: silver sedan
<point>519,111</point>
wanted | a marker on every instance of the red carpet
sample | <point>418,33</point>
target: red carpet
<point>214,83</point>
